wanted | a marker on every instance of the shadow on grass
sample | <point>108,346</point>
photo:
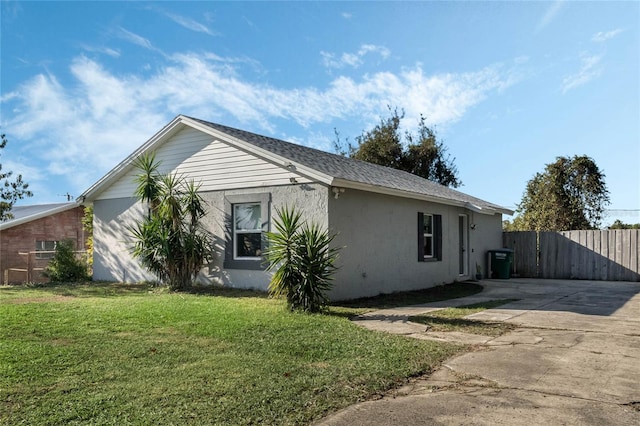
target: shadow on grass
<point>351,308</point>
<point>485,328</point>
<point>415,297</point>
<point>346,309</point>
<point>218,291</point>
<point>106,289</point>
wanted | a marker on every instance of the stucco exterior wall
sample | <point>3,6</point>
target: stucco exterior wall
<point>113,260</point>
<point>309,199</point>
<point>486,235</point>
<point>379,234</point>
<point>66,225</point>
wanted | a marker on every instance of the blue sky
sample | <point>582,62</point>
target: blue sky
<point>509,86</point>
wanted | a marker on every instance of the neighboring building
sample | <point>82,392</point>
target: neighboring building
<point>398,231</point>
<point>28,240</point>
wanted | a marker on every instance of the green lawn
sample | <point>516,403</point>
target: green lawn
<point>108,354</point>
<point>452,319</point>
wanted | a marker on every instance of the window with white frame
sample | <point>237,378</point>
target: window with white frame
<point>247,231</point>
<point>427,234</point>
<point>45,249</point>
<point>246,221</point>
<point>429,237</point>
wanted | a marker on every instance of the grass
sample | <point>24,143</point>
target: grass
<point>452,319</point>
<point>114,354</point>
<point>407,298</point>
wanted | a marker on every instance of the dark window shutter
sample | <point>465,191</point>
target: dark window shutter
<point>420,237</point>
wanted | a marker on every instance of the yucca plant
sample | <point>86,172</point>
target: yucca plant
<point>170,242</point>
<point>303,259</point>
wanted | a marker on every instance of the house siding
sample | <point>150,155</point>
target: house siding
<point>112,242</point>
<point>214,164</point>
<point>377,233</point>
<point>379,236</point>
<point>66,225</point>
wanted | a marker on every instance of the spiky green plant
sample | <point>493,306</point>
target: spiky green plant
<point>170,242</point>
<point>303,259</point>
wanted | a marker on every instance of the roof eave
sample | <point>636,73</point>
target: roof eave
<point>122,167</point>
<point>167,131</point>
<point>40,215</point>
<point>418,196</point>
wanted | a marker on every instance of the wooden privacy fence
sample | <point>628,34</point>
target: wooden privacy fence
<point>610,255</point>
<point>31,270</point>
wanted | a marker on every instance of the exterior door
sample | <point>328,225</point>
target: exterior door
<point>463,237</point>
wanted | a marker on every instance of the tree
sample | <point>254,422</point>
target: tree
<point>170,241</point>
<point>87,224</point>
<point>10,191</point>
<point>618,224</point>
<point>303,260</point>
<point>421,154</point>
<point>570,194</point>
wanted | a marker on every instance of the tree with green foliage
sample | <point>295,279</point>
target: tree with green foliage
<point>570,194</point>
<point>10,190</point>
<point>87,224</point>
<point>302,256</point>
<point>65,266</point>
<point>421,154</point>
<point>618,224</point>
<point>170,241</point>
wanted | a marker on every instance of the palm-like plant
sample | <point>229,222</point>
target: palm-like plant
<point>170,242</point>
<point>303,259</point>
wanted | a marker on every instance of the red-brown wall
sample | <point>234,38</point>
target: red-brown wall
<point>66,225</point>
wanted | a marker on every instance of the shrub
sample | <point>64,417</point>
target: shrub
<point>65,267</point>
<point>303,260</point>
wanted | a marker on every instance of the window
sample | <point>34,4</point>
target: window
<point>247,220</point>
<point>429,237</point>
<point>427,232</point>
<point>247,231</point>
<point>45,249</point>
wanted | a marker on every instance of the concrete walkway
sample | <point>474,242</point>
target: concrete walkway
<point>573,360</point>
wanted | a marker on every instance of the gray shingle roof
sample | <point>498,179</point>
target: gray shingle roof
<point>348,169</point>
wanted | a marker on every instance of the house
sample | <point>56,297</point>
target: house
<point>398,231</point>
<point>28,240</point>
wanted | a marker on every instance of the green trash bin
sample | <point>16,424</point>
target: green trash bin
<point>500,263</point>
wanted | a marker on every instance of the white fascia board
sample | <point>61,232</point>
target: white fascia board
<point>278,160</point>
<point>417,196</point>
<point>40,215</point>
<point>487,210</point>
<point>124,166</point>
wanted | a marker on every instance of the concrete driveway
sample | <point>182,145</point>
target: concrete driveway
<point>573,360</point>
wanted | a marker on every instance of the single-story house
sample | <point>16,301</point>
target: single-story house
<point>397,231</point>
<point>28,240</point>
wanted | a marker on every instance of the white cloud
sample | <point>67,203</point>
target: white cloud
<point>600,37</point>
<point>588,71</point>
<point>82,130</point>
<point>135,39</point>
<point>190,24</point>
<point>101,49</point>
<point>353,60</point>
<point>549,15</point>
